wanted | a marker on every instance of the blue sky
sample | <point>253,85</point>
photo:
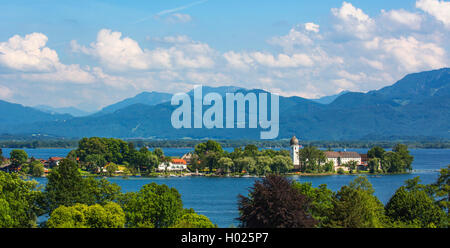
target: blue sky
<point>90,54</point>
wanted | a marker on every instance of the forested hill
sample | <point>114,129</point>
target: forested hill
<point>416,106</point>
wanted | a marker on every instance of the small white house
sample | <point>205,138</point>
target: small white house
<point>173,165</point>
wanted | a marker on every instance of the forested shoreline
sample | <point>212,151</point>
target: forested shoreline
<point>73,143</point>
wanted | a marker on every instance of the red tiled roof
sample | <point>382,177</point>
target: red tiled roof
<point>178,161</point>
<point>55,158</point>
<point>331,154</point>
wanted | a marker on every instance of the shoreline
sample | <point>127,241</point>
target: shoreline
<point>244,176</point>
<point>276,147</point>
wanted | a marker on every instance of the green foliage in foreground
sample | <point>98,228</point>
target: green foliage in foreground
<point>153,206</point>
<point>354,206</point>
<point>110,215</point>
<point>321,200</point>
<point>413,205</point>
<point>193,220</point>
<point>19,201</point>
<point>66,187</point>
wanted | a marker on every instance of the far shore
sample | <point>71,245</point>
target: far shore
<point>190,174</point>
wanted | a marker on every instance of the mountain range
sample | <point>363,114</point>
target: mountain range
<point>415,106</point>
<point>64,110</point>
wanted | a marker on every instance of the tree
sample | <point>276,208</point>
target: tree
<point>274,203</point>
<point>193,220</point>
<point>327,167</point>
<point>376,152</point>
<point>281,164</point>
<point>66,187</point>
<point>1,156</point>
<point>251,151</point>
<point>100,191</point>
<point>152,206</point>
<point>244,163</point>
<point>402,151</point>
<point>311,158</point>
<point>392,163</point>
<point>110,215</point>
<point>111,169</point>
<point>95,162</point>
<point>209,146</point>
<point>159,153</point>
<point>225,164</point>
<point>20,201</point>
<point>321,200</point>
<point>352,164</point>
<point>112,150</point>
<point>412,204</point>
<point>144,160</point>
<point>374,165</point>
<point>237,153</point>
<point>262,166</point>
<point>355,206</point>
<point>18,158</point>
<point>209,154</point>
<point>210,160</point>
<point>442,189</point>
<point>37,169</point>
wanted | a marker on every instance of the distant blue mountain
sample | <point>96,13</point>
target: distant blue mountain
<point>67,110</point>
<point>330,99</point>
<point>147,98</point>
<point>416,106</point>
<point>14,114</point>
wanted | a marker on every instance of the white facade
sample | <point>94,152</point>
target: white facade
<point>169,166</point>
<point>294,154</point>
<point>295,149</point>
<point>339,159</point>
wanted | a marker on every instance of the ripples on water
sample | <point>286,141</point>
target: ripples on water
<point>217,197</point>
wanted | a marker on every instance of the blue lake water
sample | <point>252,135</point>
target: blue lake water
<point>217,197</point>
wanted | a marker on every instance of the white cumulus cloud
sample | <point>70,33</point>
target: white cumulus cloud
<point>123,53</point>
<point>437,8</point>
<point>352,21</point>
<point>28,53</point>
<point>403,18</point>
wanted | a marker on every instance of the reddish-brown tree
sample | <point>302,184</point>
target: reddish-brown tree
<point>274,203</point>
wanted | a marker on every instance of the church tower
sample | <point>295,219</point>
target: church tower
<point>294,151</point>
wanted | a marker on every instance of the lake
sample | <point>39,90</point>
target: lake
<point>217,197</point>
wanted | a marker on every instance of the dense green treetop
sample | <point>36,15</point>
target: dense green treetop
<point>18,158</point>
<point>355,206</point>
<point>109,215</point>
<point>321,200</point>
<point>152,206</point>
<point>193,220</point>
<point>67,187</point>
<point>20,201</point>
<point>413,204</point>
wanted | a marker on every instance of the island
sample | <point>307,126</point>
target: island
<point>97,156</point>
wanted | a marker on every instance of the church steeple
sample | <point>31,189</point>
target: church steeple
<point>295,150</point>
<point>294,140</point>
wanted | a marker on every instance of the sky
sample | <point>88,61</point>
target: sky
<point>89,54</point>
